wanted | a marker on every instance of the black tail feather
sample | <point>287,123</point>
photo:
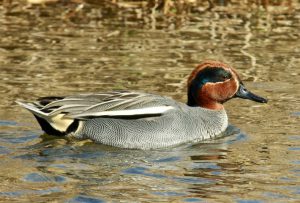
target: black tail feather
<point>48,128</point>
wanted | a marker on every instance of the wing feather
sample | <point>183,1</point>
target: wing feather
<point>114,104</point>
<point>103,106</point>
<point>67,101</point>
<point>67,109</point>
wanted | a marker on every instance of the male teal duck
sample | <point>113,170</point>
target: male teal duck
<point>130,119</point>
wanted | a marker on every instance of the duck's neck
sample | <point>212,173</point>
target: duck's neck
<point>204,102</point>
<point>213,105</point>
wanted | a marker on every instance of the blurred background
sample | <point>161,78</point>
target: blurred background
<point>63,47</point>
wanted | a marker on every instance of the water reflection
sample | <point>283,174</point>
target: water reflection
<point>97,164</point>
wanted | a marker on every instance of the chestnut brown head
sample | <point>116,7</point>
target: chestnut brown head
<point>212,83</point>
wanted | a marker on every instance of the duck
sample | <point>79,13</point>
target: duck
<point>139,120</point>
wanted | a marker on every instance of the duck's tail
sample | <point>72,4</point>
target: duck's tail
<point>51,124</point>
<point>33,109</point>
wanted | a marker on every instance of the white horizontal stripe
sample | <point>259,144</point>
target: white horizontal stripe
<point>131,112</point>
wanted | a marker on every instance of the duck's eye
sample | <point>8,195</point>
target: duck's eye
<point>226,76</point>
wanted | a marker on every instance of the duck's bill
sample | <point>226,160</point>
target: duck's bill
<point>246,94</point>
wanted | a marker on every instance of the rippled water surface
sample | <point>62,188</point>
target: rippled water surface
<point>42,55</point>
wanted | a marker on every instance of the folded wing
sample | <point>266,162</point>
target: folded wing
<point>118,104</point>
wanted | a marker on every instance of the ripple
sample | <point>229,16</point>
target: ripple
<point>193,180</point>
<point>193,200</point>
<point>142,171</point>
<point>237,138</point>
<point>296,114</point>
<point>294,148</point>
<point>7,123</point>
<point>205,165</point>
<point>21,140</point>
<point>85,199</point>
<point>249,201</point>
<point>294,137</point>
<point>168,194</point>
<point>4,150</point>
<point>31,192</point>
<point>17,137</point>
<point>293,189</point>
<point>168,159</point>
<point>37,177</point>
<point>274,195</point>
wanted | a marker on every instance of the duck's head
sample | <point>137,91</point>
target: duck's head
<point>212,83</point>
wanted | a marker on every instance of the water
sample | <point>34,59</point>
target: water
<point>42,53</point>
